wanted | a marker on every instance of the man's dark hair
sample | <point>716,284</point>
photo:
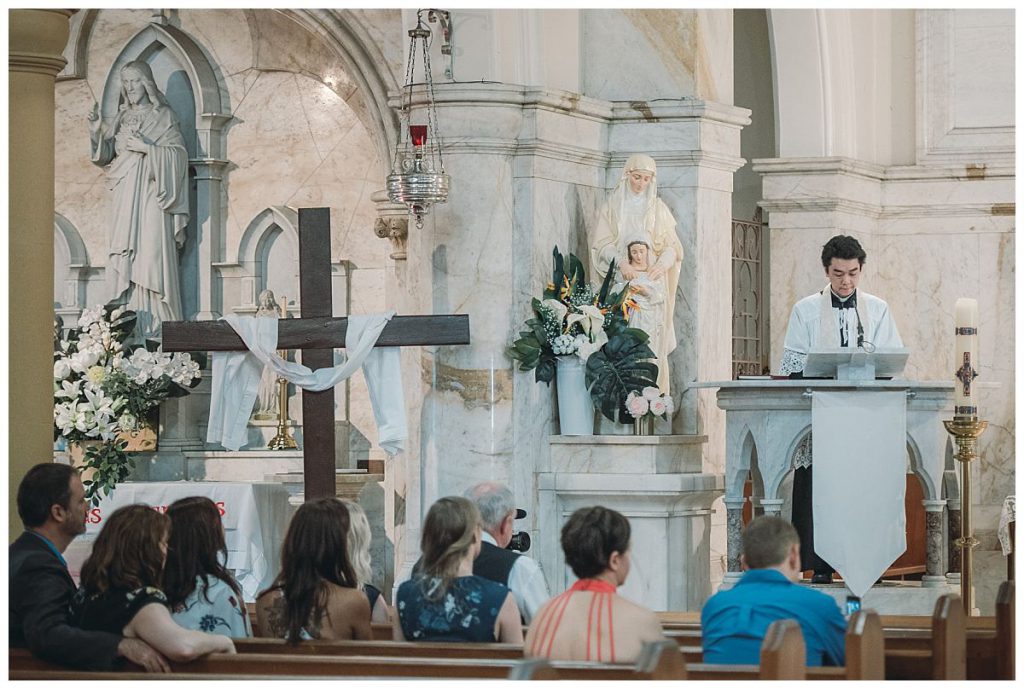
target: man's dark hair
<point>766,542</point>
<point>589,538</point>
<point>44,486</point>
<point>844,247</point>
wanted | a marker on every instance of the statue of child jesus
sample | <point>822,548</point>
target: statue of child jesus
<point>647,294</point>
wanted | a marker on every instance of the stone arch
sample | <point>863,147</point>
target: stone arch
<point>340,29</point>
<point>344,33</point>
<point>208,95</point>
<point>72,259</point>
<point>748,448</point>
<point>272,224</point>
<point>931,491</point>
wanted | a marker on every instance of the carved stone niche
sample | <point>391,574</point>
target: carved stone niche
<point>392,223</point>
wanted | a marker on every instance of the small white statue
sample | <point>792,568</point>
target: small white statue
<point>647,295</point>
<point>144,154</point>
<point>633,212</point>
<point>267,396</point>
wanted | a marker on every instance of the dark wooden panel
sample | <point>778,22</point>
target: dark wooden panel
<point>317,333</point>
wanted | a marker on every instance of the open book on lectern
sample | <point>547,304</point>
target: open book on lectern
<point>849,363</point>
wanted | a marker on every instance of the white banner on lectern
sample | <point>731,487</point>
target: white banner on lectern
<point>860,466</point>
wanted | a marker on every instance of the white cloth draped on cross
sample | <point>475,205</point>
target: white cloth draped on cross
<point>236,377</point>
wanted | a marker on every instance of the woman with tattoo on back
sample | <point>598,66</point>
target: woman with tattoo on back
<point>315,596</point>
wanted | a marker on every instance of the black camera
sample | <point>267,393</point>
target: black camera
<point>520,542</point>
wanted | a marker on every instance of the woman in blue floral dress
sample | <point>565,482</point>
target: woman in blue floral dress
<point>120,587</point>
<point>444,601</point>
<point>202,593</point>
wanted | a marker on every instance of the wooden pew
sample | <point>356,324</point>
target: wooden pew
<point>659,660</point>
<point>945,654</point>
<point>401,649</point>
<point>864,656</point>
<point>1005,631</point>
<point>782,657</point>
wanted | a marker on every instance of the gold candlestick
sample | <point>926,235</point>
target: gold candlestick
<point>283,440</point>
<point>965,431</point>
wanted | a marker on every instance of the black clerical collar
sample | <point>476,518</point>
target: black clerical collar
<point>849,302</point>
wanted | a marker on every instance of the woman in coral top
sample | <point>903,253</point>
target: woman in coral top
<point>591,621</point>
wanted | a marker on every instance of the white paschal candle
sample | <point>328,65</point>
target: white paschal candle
<point>966,362</point>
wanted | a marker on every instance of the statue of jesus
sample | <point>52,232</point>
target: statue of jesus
<point>144,154</point>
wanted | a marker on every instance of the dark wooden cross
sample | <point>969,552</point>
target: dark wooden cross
<point>317,334</point>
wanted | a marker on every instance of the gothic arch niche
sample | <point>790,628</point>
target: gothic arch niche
<point>188,80</point>
<point>70,269</point>
<point>268,254</point>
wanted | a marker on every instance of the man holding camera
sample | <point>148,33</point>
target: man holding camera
<point>521,574</point>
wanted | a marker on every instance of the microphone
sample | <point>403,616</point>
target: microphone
<point>860,326</point>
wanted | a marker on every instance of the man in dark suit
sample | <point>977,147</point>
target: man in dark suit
<point>51,504</point>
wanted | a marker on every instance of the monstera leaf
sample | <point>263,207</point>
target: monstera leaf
<point>532,350</point>
<point>625,363</point>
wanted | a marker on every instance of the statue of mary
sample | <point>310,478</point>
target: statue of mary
<point>633,212</point>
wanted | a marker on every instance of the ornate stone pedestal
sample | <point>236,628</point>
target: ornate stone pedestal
<point>656,482</point>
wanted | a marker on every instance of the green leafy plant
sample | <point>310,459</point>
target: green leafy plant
<point>575,319</point>
<point>624,364</point>
<point>572,318</point>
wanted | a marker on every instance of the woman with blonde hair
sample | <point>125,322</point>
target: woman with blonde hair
<point>359,539</point>
<point>120,591</point>
<point>444,601</point>
<point>315,596</point>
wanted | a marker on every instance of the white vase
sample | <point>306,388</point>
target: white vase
<point>575,410</point>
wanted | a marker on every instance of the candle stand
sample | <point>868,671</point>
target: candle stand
<point>283,440</point>
<point>965,431</point>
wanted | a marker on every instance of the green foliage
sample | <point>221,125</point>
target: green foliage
<point>622,364</point>
<point>532,350</point>
<point>111,466</point>
<point>625,363</point>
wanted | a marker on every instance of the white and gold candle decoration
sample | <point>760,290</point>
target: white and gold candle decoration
<point>966,361</point>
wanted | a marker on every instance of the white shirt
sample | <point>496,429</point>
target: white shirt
<point>803,332</point>
<point>526,582</point>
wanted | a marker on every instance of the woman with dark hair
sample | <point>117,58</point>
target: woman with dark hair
<point>120,589</point>
<point>591,621</point>
<point>202,593</point>
<point>444,601</point>
<point>315,596</point>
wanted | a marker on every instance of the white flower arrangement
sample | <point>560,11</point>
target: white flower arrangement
<point>103,387</point>
<point>650,401</point>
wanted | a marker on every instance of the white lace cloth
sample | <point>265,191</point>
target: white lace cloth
<point>792,361</point>
<point>1009,514</point>
<point>802,455</point>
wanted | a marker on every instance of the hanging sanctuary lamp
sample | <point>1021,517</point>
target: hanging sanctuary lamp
<point>417,177</point>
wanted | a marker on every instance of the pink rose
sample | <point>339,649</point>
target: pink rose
<point>636,405</point>
<point>658,406</point>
